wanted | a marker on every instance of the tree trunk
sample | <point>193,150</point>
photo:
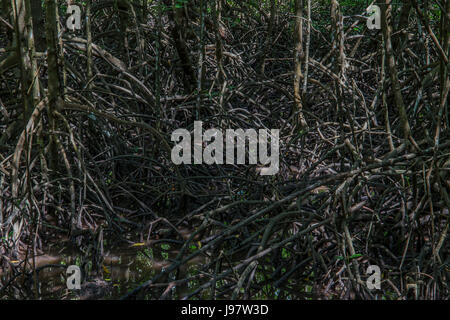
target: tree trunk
<point>23,30</point>
<point>217,11</point>
<point>38,25</point>
<point>89,44</point>
<point>387,32</point>
<point>299,56</point>
<point>180,45</point>
<point>53,76</point>
<point>269,38</point>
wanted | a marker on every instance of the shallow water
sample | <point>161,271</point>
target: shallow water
<point>121,271</point>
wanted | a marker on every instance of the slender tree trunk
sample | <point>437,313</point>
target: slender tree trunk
<point>217,11</point>
<point>402,24</point>
<point>339,36</point>
<point>201,67</point>
<point>38,25</point>
<point>445,29</point>
<point>387,32</point>
<point>269,38</point>
<point>308,43</point>
<point>122,7</point>
<point>337,24</point>
<point>23,29</point>
<point>53,77</point>
<point>140,43</point>
<point>89,44</point>
<point>158,64</point>
<point>189,78</point>
<point>299,56</point>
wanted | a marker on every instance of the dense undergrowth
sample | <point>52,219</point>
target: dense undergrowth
<point>351,190</point>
